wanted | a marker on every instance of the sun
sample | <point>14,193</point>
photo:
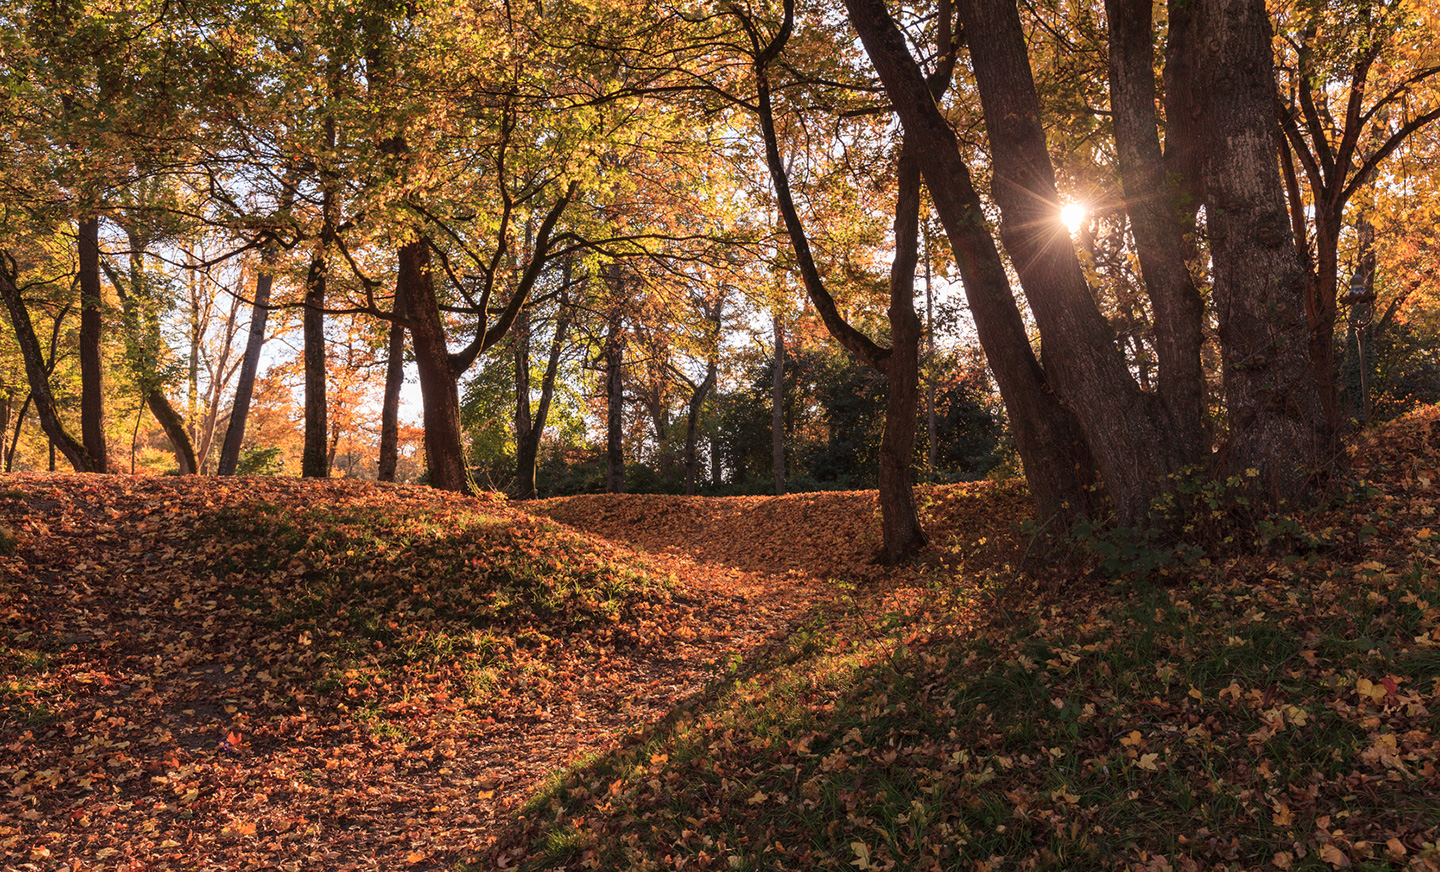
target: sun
<point>1072,215</point>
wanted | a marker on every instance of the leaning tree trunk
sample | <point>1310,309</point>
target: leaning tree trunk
<point>390,408</point>
<point>249,368</point>
<point>1280,443</point>
<point>142,341</point>
<point>1058,466</point>
<point>440,397</point>
<point>39,379</point>
<point>174,426</point>
<point>1127,431</point>
<point>92,396</point>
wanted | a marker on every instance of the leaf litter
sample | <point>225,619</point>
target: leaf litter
<point>282,674</point>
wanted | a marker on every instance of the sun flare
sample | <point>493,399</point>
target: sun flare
<point>1072,215</point>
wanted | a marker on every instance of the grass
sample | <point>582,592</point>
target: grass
<point>1270,710</point>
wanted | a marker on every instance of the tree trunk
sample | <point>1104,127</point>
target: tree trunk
<point>692,427</point>
<point>142,344</point>
<point>1321,290</point>
<point>440,397</point>
<point>614,352</point>
<point>903,538</point>
<point>524,459</point>
<point>1279,441</point>
<point>174,426</point>
<point>249,368</point>
<point>39,378</point>
<point>92,396</point>
<point>314,459</point>
<point>1153,204</point>
<point>7,405</point>
<point>717,470</point>
<point>1058,466</point>
<point>931,452</point>
<point>1125,429</point>
<point>15,434</point>
<point>777,410</point>
<point>390,408</point>
<point>528,449</point>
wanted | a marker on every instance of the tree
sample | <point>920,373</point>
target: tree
<point>1353,88</point>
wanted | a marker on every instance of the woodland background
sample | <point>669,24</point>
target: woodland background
<point>189,184</point>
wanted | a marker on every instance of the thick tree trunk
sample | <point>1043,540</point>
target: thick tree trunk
<point>249,367</point>
<point>39,378</point>
<point>1126,430</point>
<point>1153,204</point>
<point>92,391</point>
<point>1058,465</point>
<point>444,440</point>
<point>903,538</point>
<point>314,458</point>
<point>777,410</point>
<point>390,408</point>
<point>1279,439</point>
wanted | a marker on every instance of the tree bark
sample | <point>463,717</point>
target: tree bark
<point>1279,441</point>
<point>249,368</point>
<point>528,441</point>
<point>692,427</point>
<point>1153,204</point>
<point>314,459</point>
<point>390,408</point>
<point>444,440</point>
<point>174,426</point>
<point>92,391</point>
<point>903,537</point>
<point>520,340</point>
<point>1058,466</point>
<point>1125,429</point>
<point>35,372</point>
<point>777,410</point>
<point>615,387</point>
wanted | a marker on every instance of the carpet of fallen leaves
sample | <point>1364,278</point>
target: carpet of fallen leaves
<point>1277,707</point>
<point>267,673</point>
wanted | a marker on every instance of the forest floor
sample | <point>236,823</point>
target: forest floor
<point>267,673</point>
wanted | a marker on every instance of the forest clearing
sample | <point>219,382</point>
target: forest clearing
<point>287,674</point>
<point>730,434</point>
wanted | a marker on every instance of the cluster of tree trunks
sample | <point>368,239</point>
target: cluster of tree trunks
<point>1080,415</point>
